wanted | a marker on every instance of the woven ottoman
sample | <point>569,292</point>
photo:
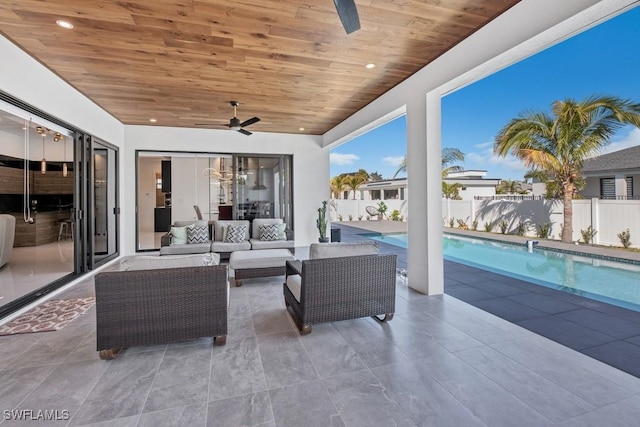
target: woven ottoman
<point>259,263</point>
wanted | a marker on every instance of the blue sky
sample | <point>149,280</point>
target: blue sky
<point>603,60</point>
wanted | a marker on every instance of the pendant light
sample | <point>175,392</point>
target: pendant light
<point>43,162</point>
<point>65,172</point>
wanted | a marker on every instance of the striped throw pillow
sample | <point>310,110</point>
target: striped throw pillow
<point>236,233</point>
<point>269,232</point>
<point>197,234</point>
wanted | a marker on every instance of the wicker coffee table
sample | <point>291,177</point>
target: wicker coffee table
<point>259,263</point>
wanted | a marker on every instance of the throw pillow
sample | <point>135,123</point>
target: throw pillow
<point>282,235</point>
<point>197,234</point>
<point>236,233</point>
<point>178,235</point>
<point>268,232</point>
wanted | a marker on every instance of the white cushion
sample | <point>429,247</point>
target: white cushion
<point>150,262</point>
<point>260,259</point>
<point>335,250</point>
<point>230,247</point>
<point>294,283</point>
<point>271,244</point>
<point>194,248</point>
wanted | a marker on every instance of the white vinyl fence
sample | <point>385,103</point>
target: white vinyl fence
<point>357,209</point>
<point>607,217</point>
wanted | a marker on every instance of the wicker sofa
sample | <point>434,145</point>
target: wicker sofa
<point>161,300</point>
<point>340,281</point>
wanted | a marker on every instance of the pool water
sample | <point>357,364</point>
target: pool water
<point>613,282</point>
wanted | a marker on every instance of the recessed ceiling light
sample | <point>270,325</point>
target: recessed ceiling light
<point>64,24</point>
<point>370,66</point>
<point>301,129</point>
<point>153,120</point>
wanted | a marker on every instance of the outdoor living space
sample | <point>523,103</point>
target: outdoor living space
<point>440,361</point>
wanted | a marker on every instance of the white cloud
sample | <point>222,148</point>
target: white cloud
<point>631,139</point>
<point>393,160</point>
<point>342,159</point>
<point>486,158</point>
<point>484,145</point>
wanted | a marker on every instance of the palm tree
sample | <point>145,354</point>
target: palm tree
<point>355,181</point>
<point>508,186</point>
<point>451,191</point>
<point>449,156</point>
<point>375,176</point>
<point>559,143</point>
<point>337,185</point>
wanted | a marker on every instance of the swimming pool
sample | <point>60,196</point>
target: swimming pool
<point>613,282</point>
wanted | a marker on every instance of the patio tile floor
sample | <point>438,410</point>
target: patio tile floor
<point>606,332</point>
<point>439,362</point>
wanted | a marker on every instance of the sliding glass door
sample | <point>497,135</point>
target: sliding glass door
<point>47,204</point>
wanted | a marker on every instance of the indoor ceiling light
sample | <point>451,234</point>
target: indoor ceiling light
<point>370,65</point>
<point>64,24</point>
<point>153,120</point>
<point>301,129</point>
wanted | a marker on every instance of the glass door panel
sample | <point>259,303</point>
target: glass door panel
<point>105,209</point>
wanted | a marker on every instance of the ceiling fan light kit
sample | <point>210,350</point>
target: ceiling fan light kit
<point>234,122</point>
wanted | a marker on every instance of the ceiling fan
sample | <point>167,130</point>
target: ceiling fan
<point>348,14</point>
<point>234,122</point>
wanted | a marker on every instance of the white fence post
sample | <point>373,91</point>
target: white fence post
<point>595,219</point>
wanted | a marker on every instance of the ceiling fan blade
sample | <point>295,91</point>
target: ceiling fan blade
<point>348,14</point>
<point>210,124</point>
<point>246,132</point>
<point>250,121</point>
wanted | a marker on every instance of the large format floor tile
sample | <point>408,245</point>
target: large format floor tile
<point>439,362</point>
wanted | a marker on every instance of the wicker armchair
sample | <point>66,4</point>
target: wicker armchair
<point>332,289</point>
<point>160,306</point>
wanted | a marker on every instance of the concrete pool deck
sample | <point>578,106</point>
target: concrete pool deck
<point>603,331</point>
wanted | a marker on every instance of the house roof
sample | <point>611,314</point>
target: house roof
<point>288,62</point>
<point>628,158</point>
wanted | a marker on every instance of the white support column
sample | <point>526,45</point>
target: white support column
<point>425,262</point>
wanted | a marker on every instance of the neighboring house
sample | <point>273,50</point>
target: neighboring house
<point>386,189</point>
<point>473,183</point>
<point>614,175</point>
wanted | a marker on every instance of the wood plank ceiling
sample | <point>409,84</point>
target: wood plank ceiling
<point>288,62</point>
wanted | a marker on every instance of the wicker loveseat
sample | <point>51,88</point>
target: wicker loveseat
<point>340,281</point>
<point>162,302</point>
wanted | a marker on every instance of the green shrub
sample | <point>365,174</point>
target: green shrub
<point>543,230</point>
<point>382,209</point>
<point>488,226</point>
<point>520,230</point>
<point>474,225</point>
<point>359,217</point>
<point>395,215</point>
<point>588,234</point>
<point>625,238</point>
<point>339,217</point>
<point>452,221</point>
<point>350,217</point>
<point>504,225</point>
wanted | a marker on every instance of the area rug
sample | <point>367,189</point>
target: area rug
<point>49,316</point>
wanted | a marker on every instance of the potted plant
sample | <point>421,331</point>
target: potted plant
<point>382,209</point>
<point>321,223</point>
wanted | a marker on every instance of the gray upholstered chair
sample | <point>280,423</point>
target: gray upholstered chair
<point>7,236</point>
<point>340,281</point>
